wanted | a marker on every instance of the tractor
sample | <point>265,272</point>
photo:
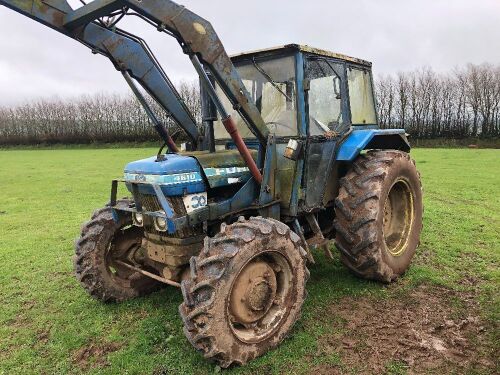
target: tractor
<point>288,157</point>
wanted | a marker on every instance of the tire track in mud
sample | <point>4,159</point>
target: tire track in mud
<point>429,329</point>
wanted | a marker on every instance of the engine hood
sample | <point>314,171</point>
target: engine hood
<point>177,174</point>
<point>191,172</point>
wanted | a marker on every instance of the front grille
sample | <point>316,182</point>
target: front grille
<point>151,203</point>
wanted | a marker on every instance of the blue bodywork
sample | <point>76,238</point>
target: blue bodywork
<point>177,175</point>
<point>358,140</point>
<point>184,174</point>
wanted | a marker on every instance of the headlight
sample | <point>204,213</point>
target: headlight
<point>137,219</point>
<point>161,223</point>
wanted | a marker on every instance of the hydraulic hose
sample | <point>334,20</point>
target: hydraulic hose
<point>227,121</point>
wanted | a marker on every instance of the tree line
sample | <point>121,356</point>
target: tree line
<point>460,104</point>
<point>89,119</point>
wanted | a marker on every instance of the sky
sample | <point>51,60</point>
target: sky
<point>396,35</point>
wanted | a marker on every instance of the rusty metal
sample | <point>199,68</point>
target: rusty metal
<point>196,35</point>
<point>302,48</point>
<point>174,252</point>
<point>126,52</point>
<point>227,121</point>
<point>260,292</point>
<point>318,239</point>
<point>220,159</point>
<point>298,229</point>
<point>242,148</point>
<point>148,274</point>
<point>244,291</point>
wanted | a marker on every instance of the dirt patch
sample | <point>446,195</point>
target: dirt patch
<point>94,355</point>
<point>431,329</point>
<point>42,336</point>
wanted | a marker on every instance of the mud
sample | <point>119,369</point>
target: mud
<point>429,330</point>
<point>94,355</point>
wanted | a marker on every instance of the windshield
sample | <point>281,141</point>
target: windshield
<point>271,85</point>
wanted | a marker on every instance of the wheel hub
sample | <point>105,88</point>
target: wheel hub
<point>253,292</point>
<point>258,295</point>
<point>398,217</point>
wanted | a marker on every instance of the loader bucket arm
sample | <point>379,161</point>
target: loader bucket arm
<point>126,52</point>
<point>196,35</point>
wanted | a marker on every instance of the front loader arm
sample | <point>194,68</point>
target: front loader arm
<point>196,35</point>
<point>126,52</point>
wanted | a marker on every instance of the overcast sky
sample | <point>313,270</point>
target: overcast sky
<point>396,35</point>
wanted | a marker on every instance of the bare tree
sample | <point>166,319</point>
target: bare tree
<point>463,103</point>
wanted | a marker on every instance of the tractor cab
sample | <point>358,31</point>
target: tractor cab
<point>302,91</point>
<point>309,100</point>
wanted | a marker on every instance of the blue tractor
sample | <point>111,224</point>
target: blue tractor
<point>289,156</point>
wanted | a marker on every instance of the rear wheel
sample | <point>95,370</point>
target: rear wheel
<point>245,291</point>
<point>378,215</point>
<point>103,242</point>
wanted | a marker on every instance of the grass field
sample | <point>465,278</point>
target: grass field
<point>439,318</point>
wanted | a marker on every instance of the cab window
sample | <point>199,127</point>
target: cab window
<point>270,84</point>
<point>324,96</point>
<point>361,97</point>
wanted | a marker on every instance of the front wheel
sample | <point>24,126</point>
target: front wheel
<point>245,291</point>
<point>378,215</point>
<point>102,243</point>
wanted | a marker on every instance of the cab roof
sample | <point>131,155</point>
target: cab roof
<point>302,48</point>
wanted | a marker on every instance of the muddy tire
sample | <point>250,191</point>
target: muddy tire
<point>245,291</point>
<point>378,215</point>
<point>103,241</point>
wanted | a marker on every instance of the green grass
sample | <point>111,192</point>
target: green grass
<point>47,320</point>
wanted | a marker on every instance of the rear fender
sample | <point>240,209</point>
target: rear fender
<point>362,139</point>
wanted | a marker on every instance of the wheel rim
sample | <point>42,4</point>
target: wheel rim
<point>398,217</point>
<point>123,246</point>
<point>259,297</point>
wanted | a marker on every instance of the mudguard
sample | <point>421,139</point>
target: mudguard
<point>361,139</point>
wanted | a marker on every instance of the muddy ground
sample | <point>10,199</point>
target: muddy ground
<point>428,330</point>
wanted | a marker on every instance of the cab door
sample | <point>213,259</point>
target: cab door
<point>328,119</point>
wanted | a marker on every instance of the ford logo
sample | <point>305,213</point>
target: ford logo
<point>140,177</point>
